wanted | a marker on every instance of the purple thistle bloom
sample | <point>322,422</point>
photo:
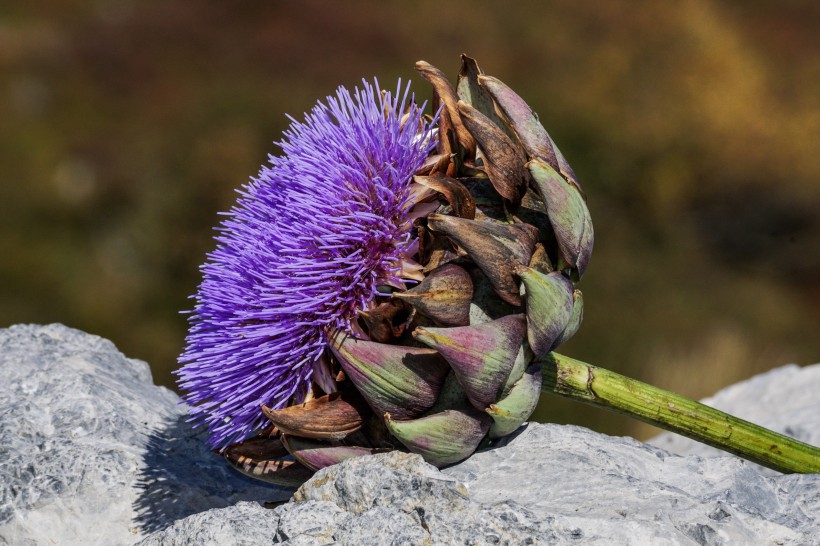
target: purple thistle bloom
<point>300,253</point>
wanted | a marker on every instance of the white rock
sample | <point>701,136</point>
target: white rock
<point>621,491</point>
<point>390,498</point>
<point>92,453</point>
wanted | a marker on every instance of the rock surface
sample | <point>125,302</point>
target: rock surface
<point>92,453</point>
<point>621,491</point>
<point>390,498</point>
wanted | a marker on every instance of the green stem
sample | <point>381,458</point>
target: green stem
<point>580,381</point>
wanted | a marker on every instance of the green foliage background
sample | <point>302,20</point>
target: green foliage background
<point>125,126</point>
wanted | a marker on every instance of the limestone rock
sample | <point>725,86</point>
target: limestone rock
<point>390,498</point>
<point>621,491</point>
<point>91,452</point>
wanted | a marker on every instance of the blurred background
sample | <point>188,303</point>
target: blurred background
<point>125,127</point>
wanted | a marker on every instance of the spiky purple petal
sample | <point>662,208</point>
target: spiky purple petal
<point>301,252</point>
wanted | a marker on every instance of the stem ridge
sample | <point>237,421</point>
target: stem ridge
<point>600,387</point>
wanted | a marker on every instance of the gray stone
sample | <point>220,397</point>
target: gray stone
<point>390,498</point>
<point>92,453</point>
<point>249,524</point>
<point>621,491</point>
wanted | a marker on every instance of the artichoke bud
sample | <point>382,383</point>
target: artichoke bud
<point>442,438</point>
<point>444,296</point>
<point>452,396</point>
<point>512,410</point>
<point>471,92</point>
<point>315,454</point>
<point>574,320</point>
<point>549,301</point>
<point>568,214</point>
<point>494,247</point>
<point>487,305</point>
<point>450,122</point>
<point>403,381</point>
<point>532,135</point>
<point>504,161</point>
<point>457,195</point>
<point>437,356</point>
<point>523,359</point>
<point>482,356</point>
<point>329,417</point>
<point>525,123</point>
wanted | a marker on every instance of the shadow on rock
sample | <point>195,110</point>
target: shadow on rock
<point>180,477</point>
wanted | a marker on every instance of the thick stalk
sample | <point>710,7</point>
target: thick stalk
<point>586,383</point>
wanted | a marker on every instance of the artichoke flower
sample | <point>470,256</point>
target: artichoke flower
<point>394,281</point>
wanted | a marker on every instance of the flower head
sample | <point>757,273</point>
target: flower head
<point>302,251</point>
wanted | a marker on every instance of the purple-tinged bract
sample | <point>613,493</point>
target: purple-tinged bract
<point>302,251</point>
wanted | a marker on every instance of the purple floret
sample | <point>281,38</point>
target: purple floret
<point>301,252</point>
